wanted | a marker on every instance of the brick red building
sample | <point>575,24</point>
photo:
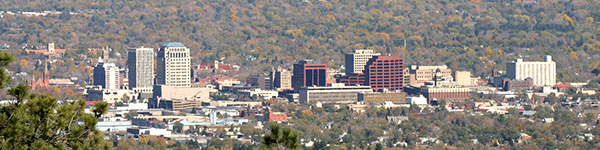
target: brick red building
<point>277,117</point>
<point>510,85</point>
<point>445,93</point>
<point>309,73</point>
<point>385,72</point>
<point>352,79</point>
<point>250,113</point>
<point>563,87</point>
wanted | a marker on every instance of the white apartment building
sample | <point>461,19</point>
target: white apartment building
<point>543,73</point>
<point>106,75</point>
<point>355,62</point>
<point>174,65</point>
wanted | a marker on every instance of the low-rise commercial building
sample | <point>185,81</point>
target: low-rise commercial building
<point>335,93</point>
<point>421,100</point>
<point>264,94</point>
<point>378,98</point>
<point>176,105</point>
<point>260,81</point>
<point>446,93</point>
<point>113,126</point>
<point>148,131</point>
<point>232,103</point>
<point>182,93</point>
<point>512,85</point>
<point>418,75</point>
<point>178,98</point>
<point>352,79</point>
<point>110,96</point>
<point>277,117</point>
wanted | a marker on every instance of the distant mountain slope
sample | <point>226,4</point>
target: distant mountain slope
<point>471,35</point>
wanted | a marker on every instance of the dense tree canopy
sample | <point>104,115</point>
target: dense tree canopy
<point>468,35</point>
<point>38,121</point>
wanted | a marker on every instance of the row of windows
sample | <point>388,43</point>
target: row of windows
<point>178,62</point>
<point>178,75</point>
<point>178,50</point>
<point>387,73</point>
<point>373,80</point>
<point>396,60</point>
<point>386,86</point>
<point>391,70</point>
<point>179,66</point>
<point>177,69</point>
<point>178,81</point>
<point>385,66</point>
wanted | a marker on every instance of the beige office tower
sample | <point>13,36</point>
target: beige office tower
<point>173,65</point>
<point>463,78</point>
<point>281,79</point>
<point>543,73</point>
<point>355,62</point>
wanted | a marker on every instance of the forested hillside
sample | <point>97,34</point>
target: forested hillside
<point>471,35</point>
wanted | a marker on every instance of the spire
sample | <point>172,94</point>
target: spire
<point>437,77</point>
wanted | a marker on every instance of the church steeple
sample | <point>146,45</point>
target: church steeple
<point>438,76</point>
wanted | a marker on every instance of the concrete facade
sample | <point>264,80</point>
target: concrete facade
<point>264,94</point>
<point>418,75</point>
<point>463,78</point>
<point>182,93</point>
<point>336,93</point>
<point>110,95</point>
<point>173,66</point>
<point>355,62</point>
<point>106,75</point>
<point>446,93</point>
<point>543,73</point>
<point>140,62</point>
<point>260,81</point>
<point>281,79</point>
<point>379,98</point>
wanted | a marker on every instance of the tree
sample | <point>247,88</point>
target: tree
<point>280,139</point>
<point>125,98</point>
<point>5,59</point>
<point>38,122</point>
<point>178,127</point>
<point>221,132</point>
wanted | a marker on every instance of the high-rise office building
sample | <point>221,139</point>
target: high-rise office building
<point>309,73</point>
<point>106,75</point>
<point>385,73</point>
<point>262,82</point>
<point>173,65</point>
<point>355,62</point>
<point>543,73</point>
<point>282,79</point>
<point>140,62</point>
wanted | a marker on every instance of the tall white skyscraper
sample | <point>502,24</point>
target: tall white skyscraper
<point>140,62</point>
<point>106,75</point>
<point>543,73</point>
<point>355,62</point>
<point>173,65</point>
